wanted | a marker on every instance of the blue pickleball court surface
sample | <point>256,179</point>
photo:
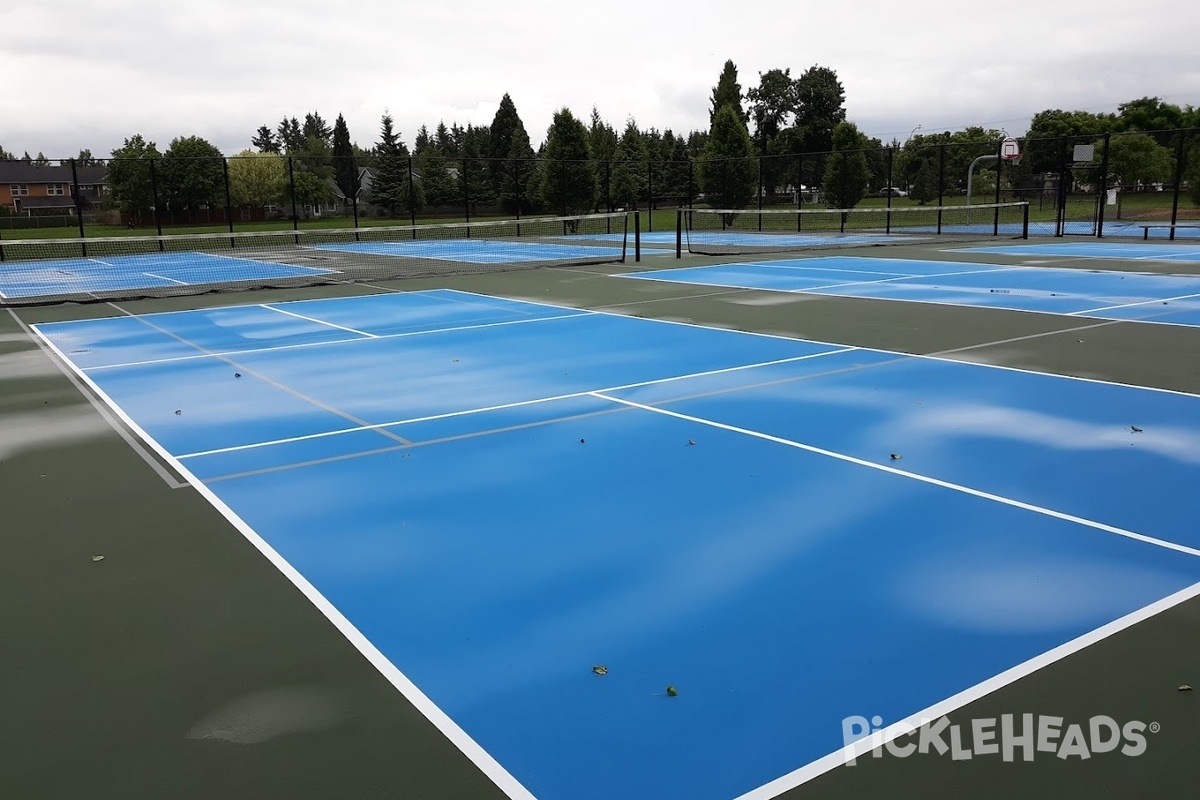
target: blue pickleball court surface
<point>1182,253</point>
<point>500,495</point>
<point>69,276</point>
<point>1147,297</point>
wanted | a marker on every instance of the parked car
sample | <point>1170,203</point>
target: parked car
<point>892,191</point>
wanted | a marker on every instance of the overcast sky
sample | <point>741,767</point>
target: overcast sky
<point>84,74</point>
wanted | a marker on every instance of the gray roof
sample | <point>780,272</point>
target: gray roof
<point>28,172</point>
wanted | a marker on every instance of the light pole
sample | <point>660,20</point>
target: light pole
<point>912,134</point>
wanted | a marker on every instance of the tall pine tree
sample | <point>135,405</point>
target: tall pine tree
<point>345,168</point>
<point>390,181</point>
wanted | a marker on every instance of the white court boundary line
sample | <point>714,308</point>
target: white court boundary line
<point>469,747</point>
<point>1163,300</point>
<point>165,278</point>
<point>772,790</point>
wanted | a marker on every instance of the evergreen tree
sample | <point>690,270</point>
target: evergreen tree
<point>291,136</point>
<point>478,182</point>
<point>389,186</point>
<point>629,168</point>
<point>568,182</point>
<point>517,173</point>
<point>846,172</point>
<point>315,127</point>
<point>505,126</point>
<point>602,144</point>
<point>6,156</point>
<point>444,141</point>
<point>345,169</point>
<point>264,140</point>
<point>728,173</point>
<point>422,141</point>
<point>727,92</point>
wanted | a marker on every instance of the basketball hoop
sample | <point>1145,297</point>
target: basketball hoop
<point>1010,151</point>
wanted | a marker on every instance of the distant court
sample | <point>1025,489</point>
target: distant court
<point>1148,297</point>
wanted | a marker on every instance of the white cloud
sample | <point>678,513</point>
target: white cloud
<point>91,75</point>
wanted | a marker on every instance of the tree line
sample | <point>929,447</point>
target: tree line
<point>757,143</point>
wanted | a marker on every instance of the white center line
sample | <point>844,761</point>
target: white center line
<point>319,321</point>
<point>914,476</point>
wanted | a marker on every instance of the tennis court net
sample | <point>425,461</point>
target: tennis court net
<point>719,232</point>
<point>40,271</point>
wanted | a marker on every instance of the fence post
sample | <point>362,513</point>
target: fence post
<point>996,193</point>
<point>1179,150</point>
<point>412,194</point>
<point>292,183</point>
<point>760,192</point>
<point>77,200</point>
<point>355,188</point>
<point>891,165</point>
<point>466,194</point>
<point>154,197</point>
<point>228,201</point>
<point>941,185</point>
<point>517,191</point>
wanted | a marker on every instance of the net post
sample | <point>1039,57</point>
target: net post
<point>679,233</point>
<point>637,235</point>
<point>1025,222</point>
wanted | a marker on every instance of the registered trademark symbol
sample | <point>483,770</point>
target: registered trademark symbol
<point>1155,727</point>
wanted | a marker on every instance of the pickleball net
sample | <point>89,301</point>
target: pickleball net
<point>43,271</point>
<point>707,231</point>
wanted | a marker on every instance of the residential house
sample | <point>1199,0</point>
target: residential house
<point>30,189</point>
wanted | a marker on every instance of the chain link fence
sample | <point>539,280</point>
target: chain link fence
<point>1108,184</point>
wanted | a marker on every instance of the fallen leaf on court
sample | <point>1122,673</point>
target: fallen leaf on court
<point>1135,429</point>
<point>896,456</point>
<point>97,558</point>
<point>1185,688</point>
<point>691,442</point>
<point>672,691</point>
<point>178,411</point>
<point>600,669</point>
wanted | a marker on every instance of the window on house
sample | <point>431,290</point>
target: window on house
<point>19,189</point>
<point>54,189</point>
